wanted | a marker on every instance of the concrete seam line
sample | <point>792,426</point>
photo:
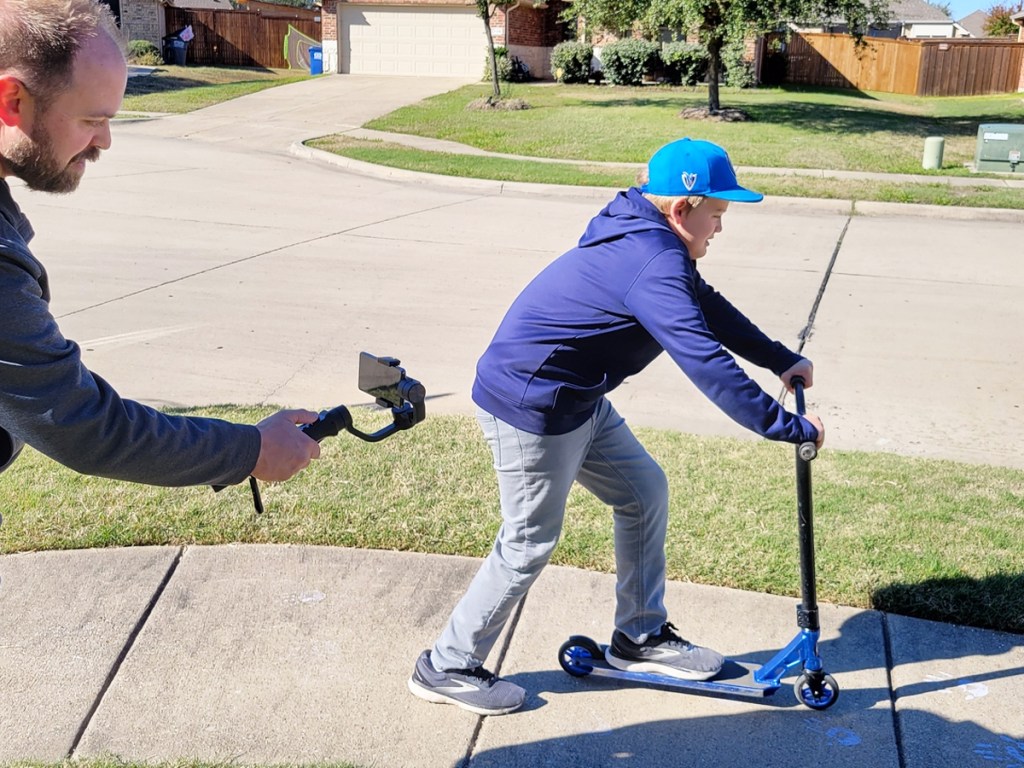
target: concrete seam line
<point>512,624</point>
<point>896,727</point>
<point>808,329</point>
<point>129,643</point>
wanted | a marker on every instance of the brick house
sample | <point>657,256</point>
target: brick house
<point>435,37</point>
<point>144,19</point>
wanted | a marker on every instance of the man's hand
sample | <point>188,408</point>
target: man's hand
<point>285,449</point>
<point>804,368</point>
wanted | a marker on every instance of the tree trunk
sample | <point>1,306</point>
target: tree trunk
<point>494,59</point>
<point>714,70</point>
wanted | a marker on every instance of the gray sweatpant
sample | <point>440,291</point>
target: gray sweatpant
<point>535,475</point>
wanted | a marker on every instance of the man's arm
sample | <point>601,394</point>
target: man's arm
<point>51,401</point>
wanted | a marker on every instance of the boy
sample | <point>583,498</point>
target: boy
<point>598,314</point>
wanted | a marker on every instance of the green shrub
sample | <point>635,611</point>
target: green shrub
<point>738,73</point>
<point>510,69</point>
<point>625,62</point>
<point>144,52</point>
<point>570,62</point>
<point>503,62</point>
<point>684,63</point>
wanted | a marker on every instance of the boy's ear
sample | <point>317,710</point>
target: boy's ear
<point>14,99</point>
<point>679,210</point>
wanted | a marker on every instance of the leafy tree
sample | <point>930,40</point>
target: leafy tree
<point>999,22</point>
<point>718,22</point>
<point>486,9</point>
<point>946,8</point>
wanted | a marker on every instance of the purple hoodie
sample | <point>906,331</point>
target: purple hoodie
<point>604,311</point>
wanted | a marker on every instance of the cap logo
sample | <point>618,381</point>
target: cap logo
<point>689,181</point>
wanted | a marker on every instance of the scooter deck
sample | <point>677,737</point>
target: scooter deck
<point>735,679</point>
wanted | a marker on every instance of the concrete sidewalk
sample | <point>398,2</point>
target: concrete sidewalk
<point>202,262</point>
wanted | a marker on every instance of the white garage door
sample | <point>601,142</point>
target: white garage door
<point>407,40</point>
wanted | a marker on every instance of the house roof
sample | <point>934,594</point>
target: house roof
<point>915,10</point>
<point>974,23</point>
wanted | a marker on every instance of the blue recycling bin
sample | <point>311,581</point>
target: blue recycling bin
<point>316,61</point>
<point>175,50</point>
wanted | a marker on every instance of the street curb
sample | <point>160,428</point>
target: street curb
<point>492,187</point>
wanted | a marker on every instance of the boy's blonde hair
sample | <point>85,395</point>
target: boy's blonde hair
<point>662,202</point>
<point>39,40</point>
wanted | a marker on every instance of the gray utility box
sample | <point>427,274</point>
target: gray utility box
<point>1000,148</point>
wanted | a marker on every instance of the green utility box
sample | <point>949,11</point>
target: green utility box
<point>1000,148</point>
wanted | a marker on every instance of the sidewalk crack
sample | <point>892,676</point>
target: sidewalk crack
<point>893,697</point>
<point>808,329</point>
<point>513,622</point>
<point>129,643</point>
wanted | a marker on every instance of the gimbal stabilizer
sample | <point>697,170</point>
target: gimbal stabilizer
<point>386,381</point>
<point>383,378</point>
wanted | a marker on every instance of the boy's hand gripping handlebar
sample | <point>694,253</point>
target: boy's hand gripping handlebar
<point>806,451</point>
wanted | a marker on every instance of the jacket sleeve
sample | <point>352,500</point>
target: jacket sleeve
<point>737,333</point>
<point>664,299</point>
<point>51,401</point>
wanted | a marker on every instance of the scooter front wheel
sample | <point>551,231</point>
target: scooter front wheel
<point>816,694</point>
<point>574,653</point>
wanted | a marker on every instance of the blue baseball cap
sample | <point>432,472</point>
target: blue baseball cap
<point>694,167</point>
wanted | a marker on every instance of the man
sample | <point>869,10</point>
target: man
<point>62,78</point>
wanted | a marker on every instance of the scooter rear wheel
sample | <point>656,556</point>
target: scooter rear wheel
<point>820,694</point>
<point>574,653</point>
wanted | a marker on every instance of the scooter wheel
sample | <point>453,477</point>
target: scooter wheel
<point>821,695</point>
<point>574,653</point>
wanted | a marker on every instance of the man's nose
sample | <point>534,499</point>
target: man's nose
<point>101,138</point>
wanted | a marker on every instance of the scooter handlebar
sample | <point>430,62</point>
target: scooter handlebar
<point>806,451</point>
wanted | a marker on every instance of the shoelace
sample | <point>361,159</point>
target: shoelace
<point>669,632</point>
<point>479,673</point>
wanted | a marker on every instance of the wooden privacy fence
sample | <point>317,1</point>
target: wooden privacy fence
<point>240,38</point>
<point>936,67</point>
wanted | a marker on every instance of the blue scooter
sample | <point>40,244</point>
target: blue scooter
<point>580,656</point>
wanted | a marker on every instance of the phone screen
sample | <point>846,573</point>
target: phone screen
<point>377,378</point>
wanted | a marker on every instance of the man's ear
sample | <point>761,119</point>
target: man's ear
<point>14,99</point>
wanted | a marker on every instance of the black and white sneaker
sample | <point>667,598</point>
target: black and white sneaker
<point>477,689</point>
<point>665,653</point>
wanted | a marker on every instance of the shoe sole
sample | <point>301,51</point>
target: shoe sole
<point>654,668</point>
<point>439,698</point>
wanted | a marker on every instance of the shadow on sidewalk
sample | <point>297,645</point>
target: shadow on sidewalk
<point>802,738</point>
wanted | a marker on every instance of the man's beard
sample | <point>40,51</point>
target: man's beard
<point>32,160</point>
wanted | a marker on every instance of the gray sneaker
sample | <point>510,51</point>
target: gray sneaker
<point>477,689</point>
<point>665,653</point>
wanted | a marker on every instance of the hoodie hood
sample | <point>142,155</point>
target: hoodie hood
<point>628,213</point>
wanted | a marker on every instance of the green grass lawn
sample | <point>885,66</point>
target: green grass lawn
<point>835,130</point>
<point>184,89</point>
<point>932,539</point>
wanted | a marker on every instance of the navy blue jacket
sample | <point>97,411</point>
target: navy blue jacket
<point>604,311</point>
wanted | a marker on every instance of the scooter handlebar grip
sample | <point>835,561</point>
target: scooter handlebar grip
<point>797,382</point>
